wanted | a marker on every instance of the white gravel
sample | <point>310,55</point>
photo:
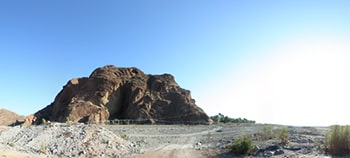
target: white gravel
<point>61,140</point>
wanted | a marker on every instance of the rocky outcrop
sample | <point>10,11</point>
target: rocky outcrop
<point>29,120</point>
<point>9,118</point>
<point>123,93</point>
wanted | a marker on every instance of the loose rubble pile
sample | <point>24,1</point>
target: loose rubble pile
<point>60,139</point>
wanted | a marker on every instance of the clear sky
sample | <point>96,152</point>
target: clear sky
<point>285,62</point>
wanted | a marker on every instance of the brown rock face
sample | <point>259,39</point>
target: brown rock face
<point>123,93</point>
<point>9,118</point>
<point>28,120</point>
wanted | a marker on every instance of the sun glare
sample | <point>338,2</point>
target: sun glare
<point>308,84</point>
<point>304,81</point>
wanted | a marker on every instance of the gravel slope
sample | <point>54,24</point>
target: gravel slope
<point>58,139</point>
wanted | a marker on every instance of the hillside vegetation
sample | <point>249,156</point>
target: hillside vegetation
<point>225,119</point>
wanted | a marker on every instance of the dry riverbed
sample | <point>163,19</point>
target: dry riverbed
<point>137,141</point>
<point>215,140</point>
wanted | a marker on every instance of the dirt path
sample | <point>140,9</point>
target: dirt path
<point>173,151</point>
<point>185,149</point>
<point>177,135</point>
<point>16,154</point>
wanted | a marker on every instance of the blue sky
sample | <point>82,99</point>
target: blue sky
<point>264,60</point>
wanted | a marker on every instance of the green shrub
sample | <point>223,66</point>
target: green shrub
<point>124,136</point>
<point>43,148</point>
<point>242,146</point>
<point>337,141</point>
<point>282,134</point>
<point>67,121</point>
<point>105,141</point>
<point>266,132</point>
<point>43,121</point>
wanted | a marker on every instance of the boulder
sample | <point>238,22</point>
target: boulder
<point>29,120</point>
<point>278,152</point>
<point>123,93</point>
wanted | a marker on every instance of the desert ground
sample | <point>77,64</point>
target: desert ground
<point>168,141</point>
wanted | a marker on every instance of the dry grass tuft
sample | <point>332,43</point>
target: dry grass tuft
<point>337,141</point>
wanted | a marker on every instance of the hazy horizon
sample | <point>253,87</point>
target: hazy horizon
<point>281,62</point>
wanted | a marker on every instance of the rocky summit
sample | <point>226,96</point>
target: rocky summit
<point>112,92</point>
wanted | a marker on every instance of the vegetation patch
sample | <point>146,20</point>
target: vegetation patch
<point>283,135</point>
<point>68,121</point>
<point>43,148</point>
<point>242,146</point>
<point>337,141</point>
<point>43,121</point>
<point>124,136</point>
<point>267,132</point>
<point>225,119</point>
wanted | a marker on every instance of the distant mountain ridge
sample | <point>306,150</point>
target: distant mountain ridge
<point>8,117</point>
<point>112,92</point>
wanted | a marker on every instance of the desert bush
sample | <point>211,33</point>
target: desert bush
<point>43,121</point>
<point>43,148</point>
<point>68,121</point>
<point>124,136</point>
<point>208,136</point>
<point>267,132</point>
<point>282,134</point>
<point>242,146</point>
<point>105,141</point>
<point>337,141</point>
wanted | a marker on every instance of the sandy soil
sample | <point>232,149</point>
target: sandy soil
<point>17,154</point>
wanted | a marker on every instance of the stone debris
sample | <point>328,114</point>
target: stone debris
<point>59,139</point>
<point>198,146</point>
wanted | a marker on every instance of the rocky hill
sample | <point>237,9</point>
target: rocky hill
<point>8,117</point>
<point>123,93</point>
